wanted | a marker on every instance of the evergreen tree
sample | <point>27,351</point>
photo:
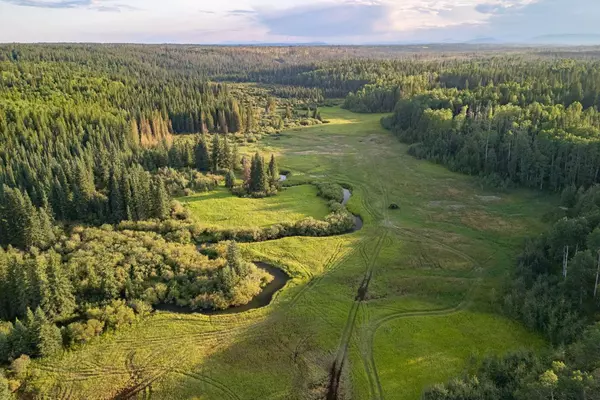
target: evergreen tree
<point>115,198</point>
<point>60,301</point>
<point>234,157</point>
<point>50,340</point>
<point>216,153</point>
<point>249,125</point>
<point>162,203</point>
<point>230,179</point>
<point>203,160</point>
<point>273,171</point>
<point>225,155</point>
<point>258,175</point>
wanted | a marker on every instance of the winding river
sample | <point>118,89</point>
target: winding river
<point>280,279</point>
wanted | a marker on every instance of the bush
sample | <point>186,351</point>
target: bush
<point>330,191</point>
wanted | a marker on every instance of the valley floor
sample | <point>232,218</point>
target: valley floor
<point>406,302</point>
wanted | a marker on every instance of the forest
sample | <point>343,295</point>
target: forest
<point>100,145</point>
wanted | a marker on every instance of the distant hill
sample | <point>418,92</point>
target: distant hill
<point>484,40</point>
<point>571,39</point>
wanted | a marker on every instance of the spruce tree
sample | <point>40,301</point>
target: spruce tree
<point>233,162</point>
<point>50,340</point>
<point>216,152</point>
<point>202,157</point>
<point>249,125</point>
<point>225,155</point>
<point>162,203</point>
<point>258,175</point>
<point>115,198</point>
<point>230,179</point>
<point>61,301</point>
<point>273,170</point>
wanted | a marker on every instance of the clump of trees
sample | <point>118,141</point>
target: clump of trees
<point>259,178</point>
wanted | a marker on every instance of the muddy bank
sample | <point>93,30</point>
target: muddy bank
<point>280,279</point>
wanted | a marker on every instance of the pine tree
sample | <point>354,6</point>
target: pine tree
<point>162,203</point>
<point>236,118</point>
<point>38,281</point>
<point>83,190</point>
<point>234,157</point>
<point>202,157</point>
<point>230,179</point>
<point>216,152</point>
<point>18,285</point>
<point>249,125</point>
<point>258,175</point>
<point>50,340</point>
<point>60,301</point>
<point>125,187</point>
<point>115,198</point>
<point>225,155</point>
<point>273,171</point>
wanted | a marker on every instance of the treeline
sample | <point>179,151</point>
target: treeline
<point>485,81</point>
<point>544,147</point>
<point>556,286</point>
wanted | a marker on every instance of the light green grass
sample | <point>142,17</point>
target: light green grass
<point>413,353</point>
<point>437,267</point>
<point>221,209</point>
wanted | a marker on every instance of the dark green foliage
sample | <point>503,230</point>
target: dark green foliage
<point>203,161</point>
<point>215,160</point>
<point>258,175</point>
<point>330,191</point>
<point>273,171</point>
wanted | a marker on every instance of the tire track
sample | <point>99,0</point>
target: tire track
<point>211,382</point>
<point>338,364</point>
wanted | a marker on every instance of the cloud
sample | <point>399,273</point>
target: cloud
<point>548,17</point>
<point>349,18</point>
<point>241,12</point>
<point>65,4</point>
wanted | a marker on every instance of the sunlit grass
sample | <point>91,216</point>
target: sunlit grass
<point>221,209</point>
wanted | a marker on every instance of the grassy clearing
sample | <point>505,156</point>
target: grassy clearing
<point>221,209</point>
<point>434,266</point>
<point>409,351</point>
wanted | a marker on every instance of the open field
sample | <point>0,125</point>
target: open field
<point>220,208</point>
<point>379,313</point>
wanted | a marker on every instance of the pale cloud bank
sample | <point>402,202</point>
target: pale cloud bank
<point>335,21</point>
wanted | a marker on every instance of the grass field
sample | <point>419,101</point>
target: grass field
<point>220,208</point>
<point>431,271</point>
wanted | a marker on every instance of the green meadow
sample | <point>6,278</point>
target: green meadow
<point>431,270</point>
<point>219,208</point>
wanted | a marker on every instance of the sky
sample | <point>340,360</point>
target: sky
<point>294,21</point>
